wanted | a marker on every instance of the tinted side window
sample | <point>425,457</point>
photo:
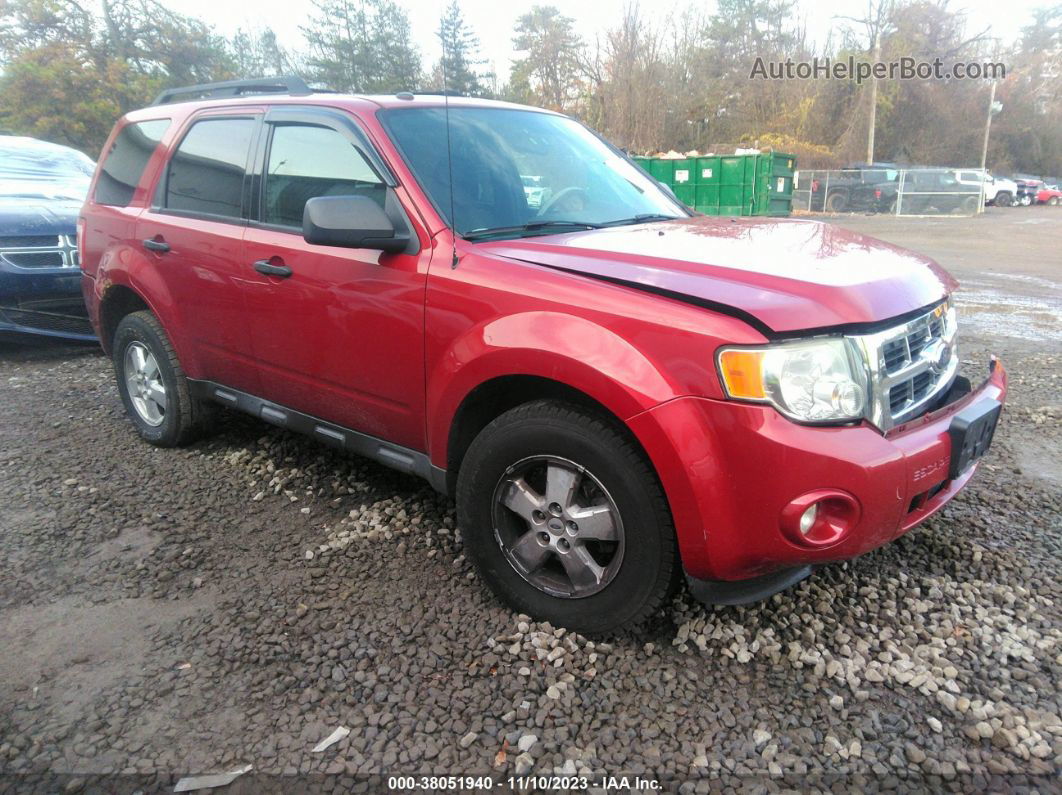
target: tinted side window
<point>124,164</point>
<point>307,161</point>
<point>207,170</point>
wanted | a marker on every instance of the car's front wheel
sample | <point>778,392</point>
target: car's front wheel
<point>1003,199</point>
<point>837,202</point>
<point>565,520</point>
<point>153,386</point>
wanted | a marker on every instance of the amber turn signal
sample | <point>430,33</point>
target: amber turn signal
<point>742,373</point>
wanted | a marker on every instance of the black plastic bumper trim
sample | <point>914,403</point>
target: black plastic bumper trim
<point>743,592</point>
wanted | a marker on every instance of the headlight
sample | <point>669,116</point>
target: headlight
<point>814,381</point>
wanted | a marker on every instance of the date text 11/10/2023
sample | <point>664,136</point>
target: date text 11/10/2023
<point>618,783</point>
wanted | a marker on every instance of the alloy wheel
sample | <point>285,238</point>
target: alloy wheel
<point>558,526</point>
<point>143,380</point>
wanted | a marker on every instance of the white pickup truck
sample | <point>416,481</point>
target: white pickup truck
<point>999,191</point>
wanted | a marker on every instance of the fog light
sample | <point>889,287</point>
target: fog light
<point>819,519</point>
<point>807,519</point>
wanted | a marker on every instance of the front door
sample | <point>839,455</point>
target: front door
<point>341,337</point>
<point>194,234</point>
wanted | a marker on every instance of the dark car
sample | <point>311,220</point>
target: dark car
<point>42,188</point>
<point>1028,189</point>
<point>929,191</point>
<point>862,189</point>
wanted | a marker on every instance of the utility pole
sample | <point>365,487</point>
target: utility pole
<point>874,101</point>
<point>992,109</point>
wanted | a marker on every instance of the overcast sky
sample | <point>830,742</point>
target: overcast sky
<point>493,20</point>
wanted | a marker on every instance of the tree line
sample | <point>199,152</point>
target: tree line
<point>68,70</point>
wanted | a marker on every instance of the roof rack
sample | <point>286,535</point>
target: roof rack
<point>287,84</point>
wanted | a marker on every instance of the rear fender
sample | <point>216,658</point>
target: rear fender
<point>126,266</point>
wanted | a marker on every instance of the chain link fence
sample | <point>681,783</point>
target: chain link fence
<point>897,191</point>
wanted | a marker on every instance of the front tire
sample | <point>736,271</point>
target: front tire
<point>1003,199</point>
<point>837,202</point>
<point>565,520</point>
<point>152,384</point>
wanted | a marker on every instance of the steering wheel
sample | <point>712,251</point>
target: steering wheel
<point>568,192</point>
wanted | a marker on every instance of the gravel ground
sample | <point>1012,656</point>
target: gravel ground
<point>180,612</point>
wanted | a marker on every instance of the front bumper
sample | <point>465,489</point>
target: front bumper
<point>44,301</point>
<point>730,469</point>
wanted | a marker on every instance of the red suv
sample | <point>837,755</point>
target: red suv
<point>616,392</point>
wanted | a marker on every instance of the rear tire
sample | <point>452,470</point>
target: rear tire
<point>152,383</point>
<point>1053,201</point>
<point>565,520</point>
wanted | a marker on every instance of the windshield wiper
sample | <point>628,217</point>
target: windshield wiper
<point>644,218</point>
<point>531,226</point>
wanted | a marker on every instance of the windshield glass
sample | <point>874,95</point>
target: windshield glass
<point>36,169</point>
<point>519,168</point>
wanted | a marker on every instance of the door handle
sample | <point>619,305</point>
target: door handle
<point>159,246</point>
<point>269,269</point>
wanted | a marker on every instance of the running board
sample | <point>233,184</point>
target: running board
<point>390,455</point>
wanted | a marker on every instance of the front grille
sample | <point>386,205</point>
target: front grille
<point>29,241</point>
<point>910,364</point>
<point>35,259</point>
<point>33,252</point>
<point>897,353</point>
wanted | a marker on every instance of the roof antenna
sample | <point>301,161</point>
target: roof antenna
<point>449,160</point>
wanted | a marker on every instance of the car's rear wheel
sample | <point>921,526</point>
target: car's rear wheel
<point>1053,201</point>
<point>565,520</point>
<point>969,205</point>
<point>152,384</point>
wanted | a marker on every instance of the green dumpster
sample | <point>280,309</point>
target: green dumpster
<point>780,184</point>
<point>753,184</point>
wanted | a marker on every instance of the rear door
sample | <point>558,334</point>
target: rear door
<point>342,337</point>
<point>194,231</point>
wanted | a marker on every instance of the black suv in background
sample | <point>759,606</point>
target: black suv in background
<point>929,191</point>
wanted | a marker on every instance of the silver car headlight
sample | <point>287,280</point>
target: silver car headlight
<point>808,381</point>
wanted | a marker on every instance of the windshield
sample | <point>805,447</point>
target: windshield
<point>41,170</point>
<point>522,172</point>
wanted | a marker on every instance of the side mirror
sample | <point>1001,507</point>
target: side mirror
<point>350,222</point>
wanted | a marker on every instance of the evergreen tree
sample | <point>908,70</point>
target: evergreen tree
<point>460,47</point>
<point>549,74</point>
<point>259,54</point>
<point>361,46</point>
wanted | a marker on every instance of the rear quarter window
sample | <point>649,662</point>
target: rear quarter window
<point>123,165</point>
<point>206,172</point>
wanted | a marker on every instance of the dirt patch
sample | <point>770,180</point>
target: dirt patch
<point>68,652</point>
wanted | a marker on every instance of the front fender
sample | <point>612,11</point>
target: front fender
<point>571,350</point>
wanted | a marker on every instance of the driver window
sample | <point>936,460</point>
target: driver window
<point>307,161</point>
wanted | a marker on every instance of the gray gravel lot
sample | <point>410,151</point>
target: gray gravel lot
<point>167,613</point>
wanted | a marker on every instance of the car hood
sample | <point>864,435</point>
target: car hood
<point>785,275</point>
<point>29,216</point>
